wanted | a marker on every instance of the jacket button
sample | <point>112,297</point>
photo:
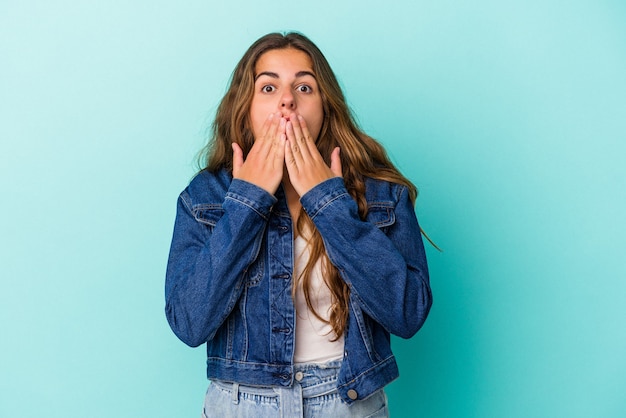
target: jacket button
<point>352,394</point>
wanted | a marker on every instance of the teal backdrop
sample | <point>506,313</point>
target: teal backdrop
<point>509,116</point>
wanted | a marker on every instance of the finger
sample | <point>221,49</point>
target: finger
<point>297,128</point>
<point>297,141</point>
<point>294,145</point>
<point>263,146</point>
<point>279,152</point>
<point>335,162</point>
<point>270,128</point>
<point>269,125</point>
<point>237,159</point>
<point>278,136</point>
<point>259,138</point>
<point>274,127</point>
<point>301,127</point>
<point>282,126</point>
<point>306,141</point>
<point>290,160</point>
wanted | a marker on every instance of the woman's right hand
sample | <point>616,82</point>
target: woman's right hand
<point>264,164</point>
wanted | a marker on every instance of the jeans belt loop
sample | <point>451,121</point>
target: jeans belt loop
<point>235,393</point>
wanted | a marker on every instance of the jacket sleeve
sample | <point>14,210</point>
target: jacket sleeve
<point>207,261</point>
<point>386,271</point>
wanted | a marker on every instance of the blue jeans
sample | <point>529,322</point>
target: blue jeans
<point>313,394</point>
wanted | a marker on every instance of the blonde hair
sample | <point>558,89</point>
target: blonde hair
<point>361,155</point>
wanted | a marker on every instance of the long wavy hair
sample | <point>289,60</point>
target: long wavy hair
<point>361,155</point>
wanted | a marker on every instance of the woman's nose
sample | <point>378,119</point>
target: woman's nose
<point>287,101</point>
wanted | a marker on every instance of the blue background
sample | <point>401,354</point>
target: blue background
<point>510,117</point>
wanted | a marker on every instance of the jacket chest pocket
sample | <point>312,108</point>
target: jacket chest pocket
<point>381,214</point>
<point>209,215</point>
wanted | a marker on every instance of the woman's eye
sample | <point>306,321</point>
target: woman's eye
<point>304,89</point>
<point>267,89</point>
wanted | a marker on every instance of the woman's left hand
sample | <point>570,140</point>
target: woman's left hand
<point>305,164</point>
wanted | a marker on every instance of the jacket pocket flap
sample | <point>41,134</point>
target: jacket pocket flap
<point>208,214</point>
<point>381,214</point>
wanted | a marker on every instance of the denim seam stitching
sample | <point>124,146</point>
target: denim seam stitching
<point>244,203</point>
<point>331,200</point>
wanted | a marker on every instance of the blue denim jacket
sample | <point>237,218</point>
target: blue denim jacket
<point>229,278</point>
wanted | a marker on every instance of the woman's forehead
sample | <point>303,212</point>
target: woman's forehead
<point>283,60</point>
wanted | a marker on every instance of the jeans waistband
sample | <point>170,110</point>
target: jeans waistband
<point>313,379</point>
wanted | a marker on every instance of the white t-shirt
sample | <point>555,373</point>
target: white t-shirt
<point>313,337</point>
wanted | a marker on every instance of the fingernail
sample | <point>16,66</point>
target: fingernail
<point>282,121</point>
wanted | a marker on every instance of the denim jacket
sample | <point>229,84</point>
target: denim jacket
<point>229,278</point>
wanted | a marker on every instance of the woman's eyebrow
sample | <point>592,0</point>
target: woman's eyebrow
<point>267,73</point>
<point>275,75</point>
<point>304,73</point>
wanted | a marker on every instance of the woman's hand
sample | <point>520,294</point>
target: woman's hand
<point>264,164</point>
<point>305,164</point>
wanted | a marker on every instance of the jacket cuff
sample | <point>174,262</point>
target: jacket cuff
<point>252,196</point>
<point>323,195</point>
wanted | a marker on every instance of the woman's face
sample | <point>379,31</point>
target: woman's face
<point>285,83</point>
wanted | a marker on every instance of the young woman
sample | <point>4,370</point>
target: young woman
<point>296,251</point>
